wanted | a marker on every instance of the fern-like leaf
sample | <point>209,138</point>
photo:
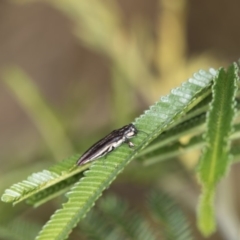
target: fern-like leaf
<point>130,224</point>
<point>95,227</point>
<point>215,159</point>
<point>40,181</point>
<point>114,220</point>
<point>196,142</point>
<point>194,125</point>
<point>19,229</point>
<point>53,191</point>
<point>175,225</point>
<point>155,120</point>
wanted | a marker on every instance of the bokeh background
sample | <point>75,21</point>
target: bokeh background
<point>71,71</point>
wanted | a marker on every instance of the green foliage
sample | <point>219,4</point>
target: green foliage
<point>60,174</point>
<point>181,113</point>
<point>194,124</point>
<point>154,121</point>
<point>95,227</point>
<point>53,191</point>
<point>114,219</point>
<point>215,159</point>
<point>19,229</point>
<point>174,223</point>
<point>130,224</point>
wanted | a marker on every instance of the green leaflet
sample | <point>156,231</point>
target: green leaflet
<point>41,181</point>
<point>114,219</point>
<point>193,125</point>
<point>130,224</point>
<point>154,121</point>
<point>53,191</point>
<point>215,159</point>
<point>95,228</point>
<point>197,142</point>
<point>174,223</point>
<point>19,229</point>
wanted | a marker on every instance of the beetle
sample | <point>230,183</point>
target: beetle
<point>109,143</point>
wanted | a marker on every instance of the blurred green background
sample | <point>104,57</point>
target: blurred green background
<point>71,71</point>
